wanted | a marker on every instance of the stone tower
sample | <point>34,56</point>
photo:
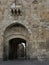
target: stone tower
<point>25,21</point>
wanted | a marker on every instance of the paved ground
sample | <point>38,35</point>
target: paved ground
<point>24,62</point>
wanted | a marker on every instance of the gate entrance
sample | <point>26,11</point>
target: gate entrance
<point>17,48</point>
<point>16,42</point>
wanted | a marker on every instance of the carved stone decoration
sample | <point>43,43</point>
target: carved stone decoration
<point>17,10</point>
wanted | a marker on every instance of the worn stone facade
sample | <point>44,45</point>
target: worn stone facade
<point>32,25</point>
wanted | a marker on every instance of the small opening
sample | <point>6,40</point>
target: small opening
<point>19,11</point>
<point>16,12</point>
<point>17,49</point>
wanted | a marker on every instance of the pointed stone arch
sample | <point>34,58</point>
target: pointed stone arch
<point>15,30</point>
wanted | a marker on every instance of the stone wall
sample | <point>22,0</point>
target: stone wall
<point>35,18</point>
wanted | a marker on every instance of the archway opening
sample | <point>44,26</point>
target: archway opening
<point>17,49</point>
<point>16,36</point>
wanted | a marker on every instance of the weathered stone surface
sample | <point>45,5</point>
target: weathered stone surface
<point>35,19</point>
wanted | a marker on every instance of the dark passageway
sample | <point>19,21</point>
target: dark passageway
<point>17,48</point>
